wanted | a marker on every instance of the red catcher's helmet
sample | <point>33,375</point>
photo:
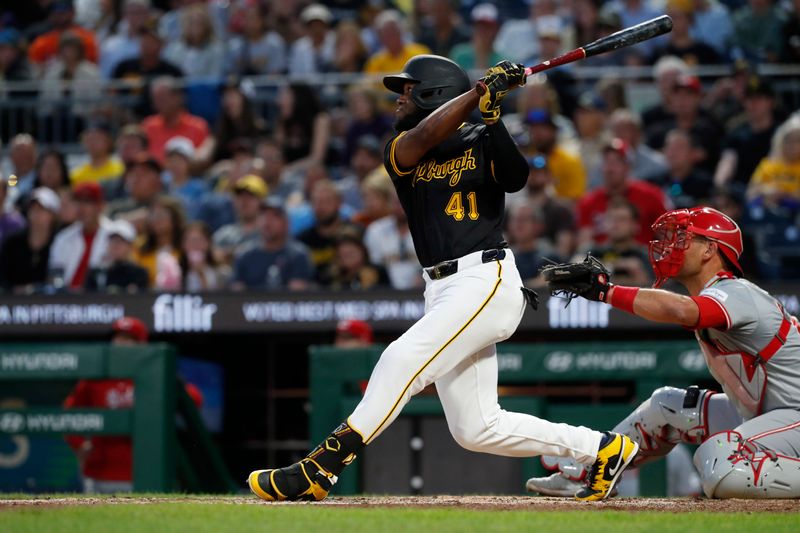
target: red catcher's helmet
<point>132,327</point>
<point>673,235</point>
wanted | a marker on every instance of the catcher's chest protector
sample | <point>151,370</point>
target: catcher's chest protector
<point>755,384</point>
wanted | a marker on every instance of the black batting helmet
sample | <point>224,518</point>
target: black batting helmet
<point>437,80</point>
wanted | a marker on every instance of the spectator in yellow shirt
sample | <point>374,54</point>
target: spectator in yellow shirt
<point>395,51</point>
<point>569,175</point>
<point>776,180</point>
<point>103,165</point>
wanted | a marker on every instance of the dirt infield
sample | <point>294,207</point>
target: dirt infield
<point>483,503</point>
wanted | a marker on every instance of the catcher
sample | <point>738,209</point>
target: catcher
<point>749,435</point>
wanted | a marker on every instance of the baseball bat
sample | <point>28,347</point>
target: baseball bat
<point>627,37</point>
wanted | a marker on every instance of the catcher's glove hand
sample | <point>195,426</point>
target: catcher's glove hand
<point>589,278</point>
<point>492,89</point>
<point>514,72</point>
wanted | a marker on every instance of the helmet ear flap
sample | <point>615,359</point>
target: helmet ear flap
<point>428,93</point>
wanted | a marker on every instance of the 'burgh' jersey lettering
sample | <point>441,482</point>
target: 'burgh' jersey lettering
<point>452,199</point>
<point>450,169</point>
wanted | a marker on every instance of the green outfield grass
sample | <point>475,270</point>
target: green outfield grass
<point>201,517</point>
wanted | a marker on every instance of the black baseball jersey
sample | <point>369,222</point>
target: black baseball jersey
<point>453,199</point>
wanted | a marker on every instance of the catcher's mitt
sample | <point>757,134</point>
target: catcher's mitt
<point>589,278</point>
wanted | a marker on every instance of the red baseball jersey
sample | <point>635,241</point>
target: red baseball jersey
<point>110,457</point>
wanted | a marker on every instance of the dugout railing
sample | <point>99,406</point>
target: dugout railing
<point>584,369</point>
<point>162,410</point>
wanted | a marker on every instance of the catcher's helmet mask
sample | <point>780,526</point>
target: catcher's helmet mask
<point>675,230</point>
<point>436,80</point>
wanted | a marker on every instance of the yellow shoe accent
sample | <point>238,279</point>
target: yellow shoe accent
<point>255,488</point>
<point>305,480</point>
<point>612,460</point>
<point>315,491</point>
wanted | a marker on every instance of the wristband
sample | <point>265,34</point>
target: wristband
<point>622,298</point>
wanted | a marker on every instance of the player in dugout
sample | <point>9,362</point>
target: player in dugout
<point>451,178</point>
<point>749,435</point>
<point>106,461</point>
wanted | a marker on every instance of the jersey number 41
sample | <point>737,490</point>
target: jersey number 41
<point>455,206</point>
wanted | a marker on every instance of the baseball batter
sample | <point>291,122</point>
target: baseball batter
<point>750,434</point>
<point>451,178</point>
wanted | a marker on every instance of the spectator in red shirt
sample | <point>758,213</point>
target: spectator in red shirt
<point>61,17</point>
<point>83,244</point>
<point>172,120</point>
<point>617,182</point>
<point>106,461</point>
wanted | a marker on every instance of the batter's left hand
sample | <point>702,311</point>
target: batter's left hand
<point>514,72</point>
<point>492,89</point>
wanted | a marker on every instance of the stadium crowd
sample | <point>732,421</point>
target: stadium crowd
<point>203,190</point>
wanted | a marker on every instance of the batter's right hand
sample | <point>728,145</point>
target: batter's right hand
<point>492,89</point>
<point>514,72</point>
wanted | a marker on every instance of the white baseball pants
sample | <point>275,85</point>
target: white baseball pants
<point>453,345</point>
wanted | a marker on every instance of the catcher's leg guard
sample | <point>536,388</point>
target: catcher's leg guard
<point>669,416</point>
<point>566,466</point>
<point>313,477</point>
<point>733,467</point>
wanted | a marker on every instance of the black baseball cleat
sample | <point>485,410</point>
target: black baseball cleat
<point>612,460</point>
<point>305,481</point>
